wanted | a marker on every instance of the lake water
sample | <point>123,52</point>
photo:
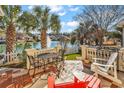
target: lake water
<point>36,45</point>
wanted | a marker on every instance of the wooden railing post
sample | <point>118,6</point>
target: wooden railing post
<point>84,51</point>
<point>121,60</point>
<point>27,60</point>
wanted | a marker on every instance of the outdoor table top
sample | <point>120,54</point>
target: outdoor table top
<point>47,55</point>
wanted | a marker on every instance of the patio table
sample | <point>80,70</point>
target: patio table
<point>46,58</point>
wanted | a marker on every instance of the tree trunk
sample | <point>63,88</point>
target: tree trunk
<point>43,39</point>
<point>10,38</point>
<point>99,36</point>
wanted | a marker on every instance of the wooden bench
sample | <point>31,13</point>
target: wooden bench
<point>89,81</point>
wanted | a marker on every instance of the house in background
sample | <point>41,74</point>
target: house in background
<point>22,36</point>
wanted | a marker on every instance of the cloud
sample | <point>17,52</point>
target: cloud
<point>74,9</point>
<point>66,30</point>
<point>62,13</point>
<point>69,30</point>
<point>63,24</point>
<point>30,7</point>
<point>73,23</point>
<point>55,8</point>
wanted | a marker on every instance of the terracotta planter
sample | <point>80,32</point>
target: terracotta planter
<point>86,61</point>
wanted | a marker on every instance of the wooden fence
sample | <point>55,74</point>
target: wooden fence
<point>71,50</point>
<point>9,58</point>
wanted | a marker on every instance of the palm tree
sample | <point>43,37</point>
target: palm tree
<point>46,21</point>
<point>27,23</point>
<point>9,23</point>
<point>80,33</point>
<point>55,24</point>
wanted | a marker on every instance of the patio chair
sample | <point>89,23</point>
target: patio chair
<point>108,70</point>
<point>34,64</point>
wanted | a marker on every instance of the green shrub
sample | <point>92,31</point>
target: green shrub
<point>72,56</point>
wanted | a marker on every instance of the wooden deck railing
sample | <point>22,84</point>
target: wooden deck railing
<point>93,53</point>
<point>90,53</point>
<point>121,60</point>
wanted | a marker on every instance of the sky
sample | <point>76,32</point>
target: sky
<point>66,14</point>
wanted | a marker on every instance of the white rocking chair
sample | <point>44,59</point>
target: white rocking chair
<point>103,69</point>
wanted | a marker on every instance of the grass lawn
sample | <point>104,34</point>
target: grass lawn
<point>72,56</point>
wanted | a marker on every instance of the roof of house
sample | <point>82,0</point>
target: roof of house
<point>121,24</point>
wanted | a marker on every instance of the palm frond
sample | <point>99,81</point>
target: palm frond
<point>55,23</point>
